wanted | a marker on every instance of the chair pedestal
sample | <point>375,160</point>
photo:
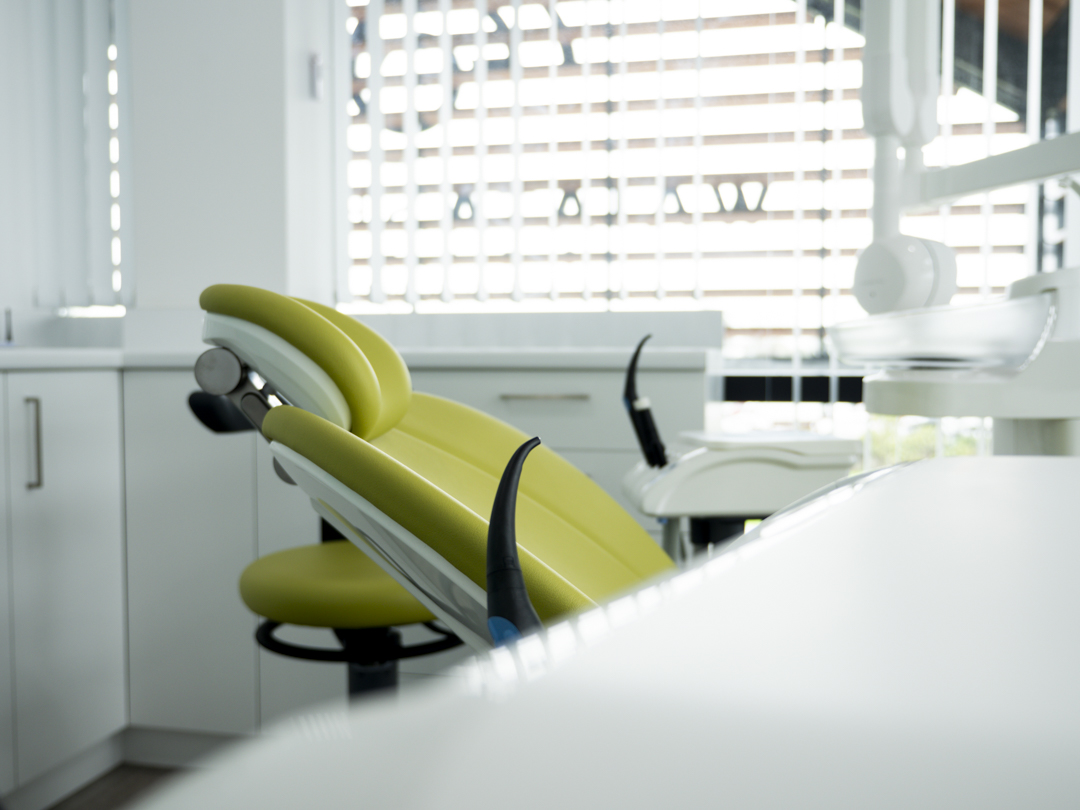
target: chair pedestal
<point>372,655</point>
<point>364,678</point>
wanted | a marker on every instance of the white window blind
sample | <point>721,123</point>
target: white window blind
<point>77,150</point>
<point>607,154</point>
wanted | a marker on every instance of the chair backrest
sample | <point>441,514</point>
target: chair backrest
<point>425,470</point>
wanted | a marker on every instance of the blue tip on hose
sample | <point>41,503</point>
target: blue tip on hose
<point>502,631</point>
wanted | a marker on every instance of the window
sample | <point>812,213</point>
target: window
<point>619,153</point>
<point>639,154</point>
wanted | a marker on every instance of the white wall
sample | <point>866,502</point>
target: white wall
<point>311,138</point>
<point>232,177</point>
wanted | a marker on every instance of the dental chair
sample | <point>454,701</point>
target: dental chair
<point>409,478</point>
<point>330,585</point>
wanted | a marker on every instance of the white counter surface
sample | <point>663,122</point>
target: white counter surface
<point>591,359</point>
<point>20,358</point>
<point>26,358</point>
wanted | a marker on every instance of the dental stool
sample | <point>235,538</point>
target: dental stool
<point>334,585</point>
<point>412,485</point>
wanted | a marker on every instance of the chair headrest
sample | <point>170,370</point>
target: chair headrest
<point>369,373</point>
<point>394,380</point>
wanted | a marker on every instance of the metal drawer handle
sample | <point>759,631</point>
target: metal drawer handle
<point>36,472</point>
<point>546,397</point>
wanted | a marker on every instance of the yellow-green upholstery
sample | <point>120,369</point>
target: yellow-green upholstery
<point>433,466</point>
<point>548,480</point>
<point>395,384</point>
<point>436,474</point>
<point>450,527</point>
<point>327,585</point>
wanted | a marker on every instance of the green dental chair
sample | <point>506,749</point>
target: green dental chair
<point>408,478</point>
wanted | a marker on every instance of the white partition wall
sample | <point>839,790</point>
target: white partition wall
<point>232,160</point>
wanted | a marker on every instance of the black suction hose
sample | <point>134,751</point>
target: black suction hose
<point>640,415</point>
<point>510,613</point>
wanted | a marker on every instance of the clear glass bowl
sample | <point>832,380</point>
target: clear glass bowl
<point>1005,332</point>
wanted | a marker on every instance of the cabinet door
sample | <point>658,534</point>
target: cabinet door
<point>191,530</point>
<point>286,520</point>
<point>65,480</point>
<point>7,710</point>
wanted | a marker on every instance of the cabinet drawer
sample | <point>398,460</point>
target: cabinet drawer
<point>572,409</point>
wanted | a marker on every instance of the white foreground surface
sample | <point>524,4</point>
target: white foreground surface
<point>909,641</point>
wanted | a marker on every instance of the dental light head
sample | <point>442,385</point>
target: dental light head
<point>904,272</point>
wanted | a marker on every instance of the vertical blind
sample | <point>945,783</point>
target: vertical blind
<point>75,118</point>
<point>607,154</point>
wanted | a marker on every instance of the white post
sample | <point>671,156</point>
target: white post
<point>1072,124</point>
<point>376,51</point>
<point>1033,115</point>
<point>888,106</point>
<point>887,177</point>
<point>446,117</point>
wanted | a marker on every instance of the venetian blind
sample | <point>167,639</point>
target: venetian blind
<point>636,154</point>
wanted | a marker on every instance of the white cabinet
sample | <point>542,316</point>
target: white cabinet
<point>580,409</point>
<point>7,707</point>
<point>286,519</point>
<point>64,496</point>
<point>201,506</point>
<point>579,412</point>
<point>191,530</point>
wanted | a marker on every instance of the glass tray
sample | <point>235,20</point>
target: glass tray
<point>1002,333</point>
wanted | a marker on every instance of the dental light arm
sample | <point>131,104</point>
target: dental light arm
<point>899,100</point>
<point>510,612</point>
<point>640,415</point>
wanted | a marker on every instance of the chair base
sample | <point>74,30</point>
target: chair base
<point>367,678</point>
<point>372,653</point>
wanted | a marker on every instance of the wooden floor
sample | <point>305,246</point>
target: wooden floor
<point>116,789</point>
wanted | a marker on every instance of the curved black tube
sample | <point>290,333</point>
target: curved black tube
<point>510,613</point>
<point>640,415</point>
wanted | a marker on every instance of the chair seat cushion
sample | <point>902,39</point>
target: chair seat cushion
<point>328,585</point>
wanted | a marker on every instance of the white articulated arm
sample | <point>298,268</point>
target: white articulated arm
<point>899,99</point>
<point>888,107</point>
<point>924,79</point>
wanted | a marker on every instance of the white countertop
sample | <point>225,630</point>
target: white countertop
<point>591,359</point>
<point>18,358</point>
